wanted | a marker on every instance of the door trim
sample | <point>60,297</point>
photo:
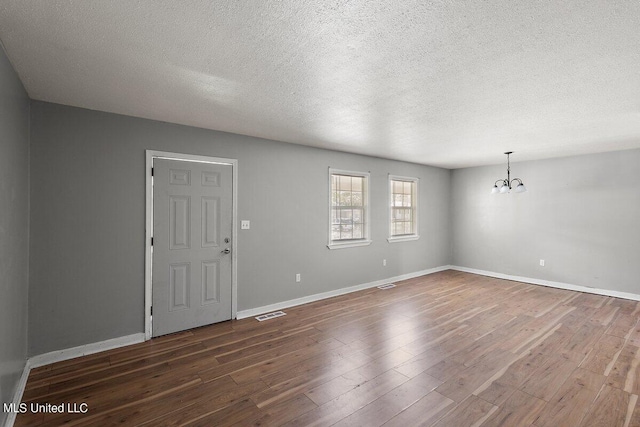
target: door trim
<point>148,256</point>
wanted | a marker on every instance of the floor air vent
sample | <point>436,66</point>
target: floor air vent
<point>270,315</point>
<point>387,286</point>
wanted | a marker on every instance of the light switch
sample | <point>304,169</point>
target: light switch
<point>245,225</point>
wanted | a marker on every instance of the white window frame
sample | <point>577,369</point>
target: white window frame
<point>337,244</point>
<point>414,205</point>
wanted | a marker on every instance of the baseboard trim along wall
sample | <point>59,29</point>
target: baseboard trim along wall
<point>59,356</point>
<point>549,283</point>
<point>83,350</point>
<point>17,396</point>
<point>242,314</point>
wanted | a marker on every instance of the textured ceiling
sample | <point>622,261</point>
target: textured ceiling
<point>444,83</point>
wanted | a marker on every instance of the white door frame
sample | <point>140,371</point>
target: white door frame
<point>148,256</point>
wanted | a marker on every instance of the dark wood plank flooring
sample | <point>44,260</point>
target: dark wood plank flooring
<point>447,349</point>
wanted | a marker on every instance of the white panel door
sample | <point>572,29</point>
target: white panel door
<point>192,213</point>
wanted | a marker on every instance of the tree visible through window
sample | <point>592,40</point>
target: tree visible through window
<point>349,216</point>
<point>403,207</point>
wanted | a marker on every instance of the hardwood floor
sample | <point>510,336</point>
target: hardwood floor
<point>447,349</point>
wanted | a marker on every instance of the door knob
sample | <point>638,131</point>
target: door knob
<point>226,251</point>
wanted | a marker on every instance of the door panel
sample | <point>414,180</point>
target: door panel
<point>179,222</point>
<point>211,282</point>
<point>210,221</point>
<point>192,213</point>
<point>179,286</point>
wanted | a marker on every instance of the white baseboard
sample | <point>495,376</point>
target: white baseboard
<point>83,350</point>
<point>559,285</point>
<point>17,396</point>
<point>60,355</point>
<point>324,295</point>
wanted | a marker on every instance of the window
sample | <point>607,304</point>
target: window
<point>403,208</point>
<point>349,209</point>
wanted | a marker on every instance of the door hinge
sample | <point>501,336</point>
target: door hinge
<point>151,171</point>
<point>152,310</point>
<point>152,241</point>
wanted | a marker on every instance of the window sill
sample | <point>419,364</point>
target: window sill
<point>403,238</point>
<point>351,244</point>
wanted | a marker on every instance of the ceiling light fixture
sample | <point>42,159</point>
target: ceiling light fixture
<point>507,183</point>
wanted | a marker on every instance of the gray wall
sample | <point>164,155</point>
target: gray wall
<point>88,215</point>
<point>581,215</point>
<point>87,221</point>
<point>14,229</point>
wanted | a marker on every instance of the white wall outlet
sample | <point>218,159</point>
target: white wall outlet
<point>541,263</point>
<point>384,262</point>
<point>298,278</point>
<point>245,225</point>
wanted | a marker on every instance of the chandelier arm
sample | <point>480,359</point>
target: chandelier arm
<point>508,183</point>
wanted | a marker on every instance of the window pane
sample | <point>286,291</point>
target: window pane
<point>397,228</point>
<point>397,200</point>
<point>335,216</point>
<point>346,216</point>
<point>407,187</point>
<point>335,232</point>
<point>356,198</point>
<point>345,183</point>
<point>346,231</point>
<point>396,187</point>
<point>356,183</point>
<point>407,228</point>
<point>357,231</point>
<point>357,216</point>
<point>344,198</point>
<point>406,200</point>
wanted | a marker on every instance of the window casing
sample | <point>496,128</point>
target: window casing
<point>348,209</point>
<point>403,208</point>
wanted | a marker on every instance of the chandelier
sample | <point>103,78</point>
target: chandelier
<point>507,184</point>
